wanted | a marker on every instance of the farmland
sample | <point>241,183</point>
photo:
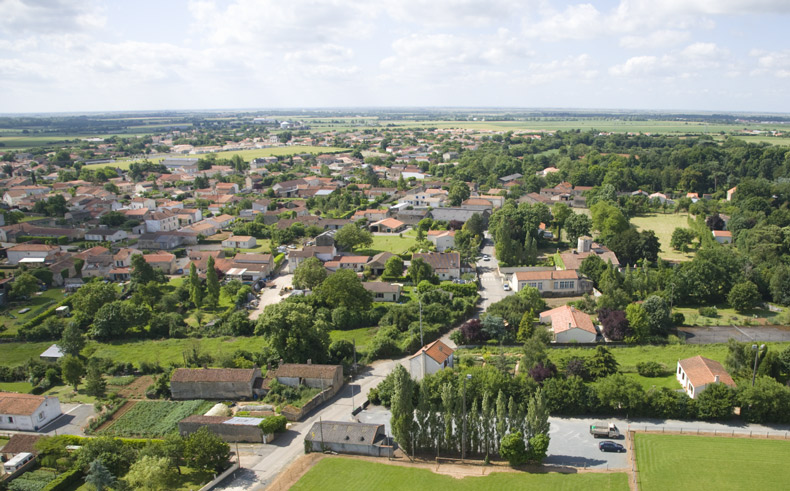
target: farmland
<point>697,462</point>
<point>152,419</point>
<point>338,473</point>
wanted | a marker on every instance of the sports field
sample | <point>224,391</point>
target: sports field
<point>338,473</point>
<point>715,463</point>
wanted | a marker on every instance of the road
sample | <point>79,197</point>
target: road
<point>271,296</point>
<point>747,334</point>
<point>272,459</point>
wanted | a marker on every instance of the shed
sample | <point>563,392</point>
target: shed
<point>53,353</point>
<point>349,438</point>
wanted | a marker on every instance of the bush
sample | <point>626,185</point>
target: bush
<point>678,319</point>
<point>711,312</point>
<point>273,424</point>
<point>650,369</point>
<point>65,481</point>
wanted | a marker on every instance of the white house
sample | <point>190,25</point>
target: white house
<point>382,291</point>
<point>569,325</point>
<point>442,239</point>
<point>161,221</point>
<point>430,359</point>
<point>240,242</point>
<point>553,282</point>
<point>27,412</point>
<point>21,252</point>
<point>722,236</point>
<point>695,374</point>
<point>106,235</point>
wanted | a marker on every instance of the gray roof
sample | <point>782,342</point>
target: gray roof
<point>341,432</point>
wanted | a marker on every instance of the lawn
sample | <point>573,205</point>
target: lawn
<point>390,243</point>
<point>38,303</point>
<point>349,474</point>
<point>727,317</point>
<point>154,419</point>
<point>21,387</point>
<point>715,463</point>
<point>363,336</point>
<point>65,393</point>
<point>264,247</point>
<point>663,225</point>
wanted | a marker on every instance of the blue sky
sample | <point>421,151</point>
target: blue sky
<point>93,55</point>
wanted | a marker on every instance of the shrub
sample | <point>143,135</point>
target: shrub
<point>678,319</point>
<point>650,369</point>
<point>708,312</point>
<point>273,424</point>
<point>65,481</point>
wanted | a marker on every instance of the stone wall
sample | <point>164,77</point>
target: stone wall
<point>295,414</point>
<point>229,433</point>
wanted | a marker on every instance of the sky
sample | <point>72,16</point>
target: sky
<point>140,55</point>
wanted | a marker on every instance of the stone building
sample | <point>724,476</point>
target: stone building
<point>349,438</point>
<point>213,383</point>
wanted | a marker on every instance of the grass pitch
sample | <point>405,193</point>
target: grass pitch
<point>338,473</point>
<point>715,463</point>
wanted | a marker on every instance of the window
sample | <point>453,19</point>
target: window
<point>41,415</point>
<point>10,419</point>
<point>563,285</point>
<point>379,295</point>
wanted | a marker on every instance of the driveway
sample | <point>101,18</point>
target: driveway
<point>71,422</point>
<point>271,296</point>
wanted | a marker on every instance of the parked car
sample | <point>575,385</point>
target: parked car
<point>486,257</point>
<point>609,446</point>
<point>506,287</point>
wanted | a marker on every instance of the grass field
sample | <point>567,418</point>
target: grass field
<point>21,387</point>
<point>727,317</point>
<point>338,473</point>
<point>37,304</point>
<point>390,243</point>
<point>363,336</point>
<point>663,225</point>
<point>153,419</point>
<point>697,462</point>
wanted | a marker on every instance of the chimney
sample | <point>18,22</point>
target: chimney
<point>570,326</point>
<point>715,379</point>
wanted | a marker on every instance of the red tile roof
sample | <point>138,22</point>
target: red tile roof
<point>213,375</point>
<point>703,371</point>
<point>437,350</point>
<point>565,318</point>
<point>19,404</point>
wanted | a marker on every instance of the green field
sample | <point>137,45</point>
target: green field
<point>363,336</point>
<point>715,463</point>
<point>21,387</point>
<point>153,419</point>
<point>338,473</point>
<point>390,243</point>
<point>727,317</point>
<point>663,225</point>
<point>38,303</point>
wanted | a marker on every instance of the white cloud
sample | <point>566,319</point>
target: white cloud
<point>41,17</point>
<point>451,13</point>
<point>637,65</point>
<point>776,63</point>
<point>327,53</point>
<point>582,21</point>
<point>663,38</point>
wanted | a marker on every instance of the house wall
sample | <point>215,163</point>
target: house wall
<point>577,335</point>
<point>386,297</point>
<point>211,390</point>
<point>15,256</point>
<point>416,366</point>
<point>354,449</point>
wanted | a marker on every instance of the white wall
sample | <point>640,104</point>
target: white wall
<point>46,412</point>
<point>577,335</point>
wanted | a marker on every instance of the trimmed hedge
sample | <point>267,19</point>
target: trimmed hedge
<point>279,259</point>
<point>273,424</point>
<point>65,481</point>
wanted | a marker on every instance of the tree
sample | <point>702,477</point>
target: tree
<point>173,449</point>
<point>526,327</point>
<point>114,318</point>
<point>351,236</point>
<point>92,296</point>
<point>608,220</point>
<point>537,415</point>
<point>205,450</point>
<point>715,402</point>
<point>195,287</point>
<point>475,225</point>
<point>72,370</point>
<point>493,326</point>
<point>615,324</point>
<point>293,333</point>
<point>681,239</point>
<point>561,213</point>
<point>659,318</point>
<point>402,421</point>
<point>143,273</point>
<point>637,320</point>
<point>577,225</point>
<point>513,450</point>
<point>419,270</point>
<point>309,274</point>
<point>780,284</point>
<point>620,393</point>
<point>459,191</point>
<point>744,296</point>
<point>602,363</point>
<point>538,448</point>
<point>95,385</point>
<point>394,267</point>
<point>344,289</point>
<point>73,340</point>
<point>212,283</point>
<point>99,477</point>
<point>24,285</point>
<point>149,473</point>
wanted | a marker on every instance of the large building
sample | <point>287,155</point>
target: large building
<point>213,383</point>
<point>27,412</point>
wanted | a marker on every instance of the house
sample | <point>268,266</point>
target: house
<point>722,236</point>
<point>138,203</point>
<point>31,253</point>
<point>697,373</point>
<point>222,221</point>
<point>383,292</point>
<point>569,325</point>
<point>27,412</point>
<point>445,265</point>
<point>53,353</point>
<point>442,239</point>
<point>315,376</point>
<point>163,260</point>
<point>20,443</point>
<point>388,225</point>
<point>250,267</point>
<point>555,283</point>
<point>378,263</point>
<point>586,248</point>
<point>213,383</point>
<point>430,359</point>
<point>478,204</point>
<point>106,235</point>
<point>349,438</point>
<point>510,178</point>
<point>161,221</point>
<point>166,240</point>
<point>240,242</point>
<point>354,263</point>
<point>450,214</point>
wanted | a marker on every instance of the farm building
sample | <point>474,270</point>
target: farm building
<point>695,374</point>
<point>349,438</point>
<point>27,412</point>
<point>228,428</point>
<point>315,376</point>
<point>213,383</point>
<point>430,359</point>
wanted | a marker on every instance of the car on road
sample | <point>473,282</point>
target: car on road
<point>506,287</point>
<point>486,257</point>
<point>609,446</point>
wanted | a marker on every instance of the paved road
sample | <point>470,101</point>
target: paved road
<point>272,459</point>
<point>71,422</point>
<point>270,296</point>
<point>721,334</point>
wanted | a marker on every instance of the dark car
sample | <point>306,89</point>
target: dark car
<point>608,446</point>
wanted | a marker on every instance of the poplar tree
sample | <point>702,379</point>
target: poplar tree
<point>402,407</point>
<point>473,424</point>
<point>212,283</point>
<point>501,415</point>
<point>487,424</point>
<point>195,287</point>
<point>537,416</point>
<point>448,405</point>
